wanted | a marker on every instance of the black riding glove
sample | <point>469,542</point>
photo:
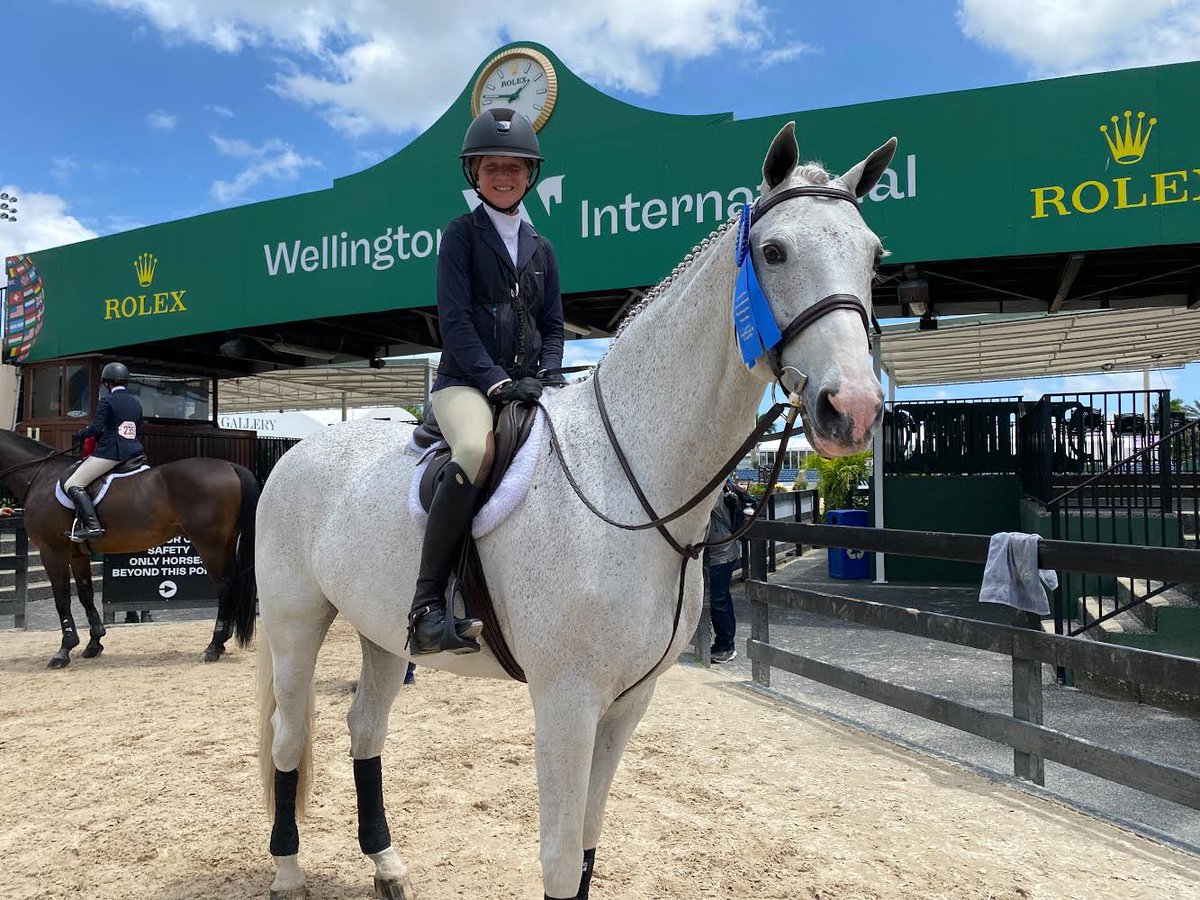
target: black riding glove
<point>525,391</point>
<point>557,379</point>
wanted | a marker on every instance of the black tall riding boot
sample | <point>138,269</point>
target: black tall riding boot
<point>91,529</point>
<point>450,514</point>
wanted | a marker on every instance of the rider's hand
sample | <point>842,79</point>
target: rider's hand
<point>526,391</point>
<point>552,380</point>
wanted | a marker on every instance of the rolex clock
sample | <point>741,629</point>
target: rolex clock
<point>519,78</point>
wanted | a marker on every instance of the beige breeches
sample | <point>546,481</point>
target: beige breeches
<point>465,417</point>
<point>89,470</point>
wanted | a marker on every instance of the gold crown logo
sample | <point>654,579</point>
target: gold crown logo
<point>1128,146</point>
<point>144,266</point>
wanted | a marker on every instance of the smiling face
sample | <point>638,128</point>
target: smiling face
<point>503,179</point>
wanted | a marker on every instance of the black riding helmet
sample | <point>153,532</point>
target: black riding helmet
<point>115,373</point>
<point>501,132</point>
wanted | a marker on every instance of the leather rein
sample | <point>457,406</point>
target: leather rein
<point>39,462</point>
<point>688,552</point>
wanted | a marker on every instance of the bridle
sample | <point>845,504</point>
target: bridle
<point>39,462</point>
<point>822,307</point>
<point>794,328</point>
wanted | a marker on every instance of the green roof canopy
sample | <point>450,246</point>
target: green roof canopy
<point>1075,193</point>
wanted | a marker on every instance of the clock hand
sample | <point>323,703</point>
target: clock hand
<point>517,94</point>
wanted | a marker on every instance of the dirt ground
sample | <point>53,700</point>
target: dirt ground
<point>134,776</point>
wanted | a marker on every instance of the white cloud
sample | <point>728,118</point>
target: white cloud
<point>382,65</point>
<point>42,221</point>
<point>1060,37</point>
<point>778,55</point>
<point>61,168</point>
<point>273,160</point>
<point>218,110</point>
<point>161,120</point>
<point>585,353</point>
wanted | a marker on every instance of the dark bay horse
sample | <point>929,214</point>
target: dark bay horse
<point>210,501</point>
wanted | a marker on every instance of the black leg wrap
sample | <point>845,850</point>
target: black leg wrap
<point>589,865</point>
<point>285,839</point>
<point>373,833</point>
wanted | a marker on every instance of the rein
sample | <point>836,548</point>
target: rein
<point>41,461</point>
<point>688,552</point>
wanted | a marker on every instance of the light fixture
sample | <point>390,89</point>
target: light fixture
<point>377,363</point>
<point>581,330</point>
<point>1107,367</point>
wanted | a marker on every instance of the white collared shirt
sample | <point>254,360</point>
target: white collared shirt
<point>508,227</point>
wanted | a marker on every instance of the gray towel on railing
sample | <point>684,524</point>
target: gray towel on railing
<point>1011,575</point>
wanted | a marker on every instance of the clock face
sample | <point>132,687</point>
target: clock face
<point>519,79</point>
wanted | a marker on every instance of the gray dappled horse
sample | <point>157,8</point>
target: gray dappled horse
<point>593,614</point>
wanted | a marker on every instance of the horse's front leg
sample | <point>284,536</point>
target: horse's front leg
<point>81,568</point>
<point>379,681</point>
<point>565,717</point>
<point>612,734</point>
<point>58,572</point>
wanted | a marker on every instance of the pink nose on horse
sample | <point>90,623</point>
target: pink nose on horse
<point>851,411</point>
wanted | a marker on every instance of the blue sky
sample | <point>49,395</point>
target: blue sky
<point>131,112</point>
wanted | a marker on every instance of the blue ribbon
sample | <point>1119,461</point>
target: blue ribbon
<point>753,321</point>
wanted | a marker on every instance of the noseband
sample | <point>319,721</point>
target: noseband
<point>825,305</point>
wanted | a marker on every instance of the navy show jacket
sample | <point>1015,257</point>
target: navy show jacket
<point>497,321</point>
<point>117,426</point>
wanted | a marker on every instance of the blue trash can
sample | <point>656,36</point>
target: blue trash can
<point>848,565</point>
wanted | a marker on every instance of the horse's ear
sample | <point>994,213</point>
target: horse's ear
<point>862,177</point>
<point>782,157</point>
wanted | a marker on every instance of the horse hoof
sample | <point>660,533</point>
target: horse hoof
<point>300,893</point>
<point>93,649</point>
<point>58,662</point>
<point>391,889</point>
<point>213,652</point>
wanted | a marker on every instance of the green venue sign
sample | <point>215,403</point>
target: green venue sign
<point>1089,162</point>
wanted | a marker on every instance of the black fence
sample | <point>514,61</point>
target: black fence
<point>1150,498</point>
<point>952,437</point>
<point>1028,646</point>
<point>267,452</point>
<point>16,566</point>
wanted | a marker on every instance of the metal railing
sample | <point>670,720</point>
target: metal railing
<point>267,452</point>
<point>1032,742</point>
<point>976,436</point>
<point>1068,438</point>
<point>1149,498</point>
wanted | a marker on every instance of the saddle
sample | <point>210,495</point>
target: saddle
<point>511,427</point>
<point>97,487</point>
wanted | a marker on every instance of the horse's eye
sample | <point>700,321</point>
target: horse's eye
<point>773,253</point>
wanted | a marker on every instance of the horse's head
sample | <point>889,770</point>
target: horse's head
<point>814,254</point>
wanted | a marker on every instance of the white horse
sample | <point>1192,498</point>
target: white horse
<point>588,610</point>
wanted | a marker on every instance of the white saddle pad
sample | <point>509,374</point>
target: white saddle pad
<point>62,498</point>
<point>512,490</point>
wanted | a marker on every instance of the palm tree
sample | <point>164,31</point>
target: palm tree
<point>1191,411</point>
<point>838,479</point>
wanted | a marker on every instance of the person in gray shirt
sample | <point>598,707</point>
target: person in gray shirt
<point>728,513</point>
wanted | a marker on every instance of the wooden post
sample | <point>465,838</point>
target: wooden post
<point>760,625</point>
<point>1027,706</point>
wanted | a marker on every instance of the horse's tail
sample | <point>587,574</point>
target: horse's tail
<point>266,734</point>
<point>243,587</point>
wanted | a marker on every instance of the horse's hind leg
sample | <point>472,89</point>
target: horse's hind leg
<point>612,734</point>
<point>294,644</point>
<point>380,681</point>
<point>218,561</point>
<point>81,568</point>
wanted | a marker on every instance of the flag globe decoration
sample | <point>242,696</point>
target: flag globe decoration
<point>24,309</point>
